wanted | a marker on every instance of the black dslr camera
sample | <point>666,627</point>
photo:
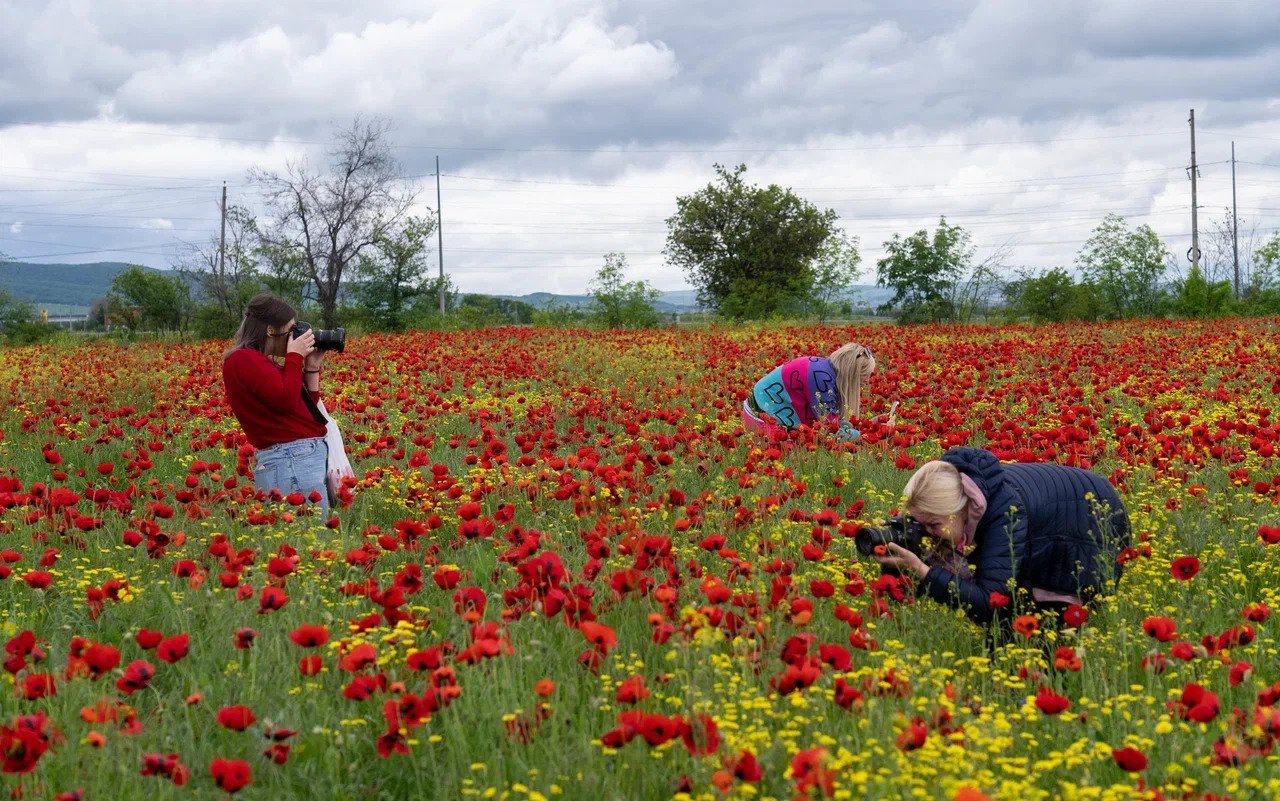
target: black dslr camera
<point>326,339</point>
<point>900,530</point>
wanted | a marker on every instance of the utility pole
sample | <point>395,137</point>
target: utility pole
<point>440,235</point>
<point>1235,224</point>
<point>1194,253</point>
<point>222,237</point>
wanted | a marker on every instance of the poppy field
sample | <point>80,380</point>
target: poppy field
<point>563,570</point>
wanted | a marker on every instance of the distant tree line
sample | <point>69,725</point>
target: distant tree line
<point>340,243</point>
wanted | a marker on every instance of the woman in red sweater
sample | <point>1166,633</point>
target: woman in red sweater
<point>275,401</point>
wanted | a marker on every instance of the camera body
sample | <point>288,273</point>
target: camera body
<point>326,339</point>
<point>901,530</point>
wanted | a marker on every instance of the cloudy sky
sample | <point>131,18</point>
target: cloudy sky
<point>567,128</point>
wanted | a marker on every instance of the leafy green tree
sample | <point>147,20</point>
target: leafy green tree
<point>1052,296</point>
<point>748,250</point>
<point>482,311</point>
<point>617,303</point>
<point>1126,267</point>
<point>924,271</point>
<point>150,299</point>
<point>1201,299</point>
<point>391,273</point>
<point>1266,264</point>
<point>283,271</point>
<point>20,323</point>
<point>559,315</point>
<point>834,270</point>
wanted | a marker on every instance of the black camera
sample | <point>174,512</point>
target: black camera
<point>326,339</point>
<point>900,530</point>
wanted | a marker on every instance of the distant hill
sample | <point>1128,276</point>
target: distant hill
<point>60,284</point>
<point>79,285</point>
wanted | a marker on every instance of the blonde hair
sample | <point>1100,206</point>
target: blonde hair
<point>854,365</point>
<point>935,489</point>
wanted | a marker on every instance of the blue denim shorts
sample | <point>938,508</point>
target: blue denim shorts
<point>297,466</point>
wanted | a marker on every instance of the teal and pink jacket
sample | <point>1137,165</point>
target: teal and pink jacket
<point>796,393</point>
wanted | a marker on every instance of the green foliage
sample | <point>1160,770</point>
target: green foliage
<point>217,319</point>
<point>19,322</point>
<point>924,271</point>
<point>1051,296</point>
<point>834,270</point>
<point>618,303</point>
<point>483,311</point>
<point>1266,265</point>
<point>147,299</point>
<point>748,250</point>
<point>1197,298</point>
<point>1126,267</point>
<point>559,315</point>
<point>392,272</point>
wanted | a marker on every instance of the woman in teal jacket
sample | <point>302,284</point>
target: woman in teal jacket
<point>809,389</point>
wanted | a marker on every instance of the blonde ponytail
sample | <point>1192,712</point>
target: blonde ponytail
<point>854,365</point>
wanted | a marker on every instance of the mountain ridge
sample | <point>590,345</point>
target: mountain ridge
<point>75,287</point>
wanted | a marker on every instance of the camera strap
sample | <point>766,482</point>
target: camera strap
<point>311,407</point>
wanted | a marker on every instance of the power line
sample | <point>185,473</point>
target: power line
<point>721,149</point>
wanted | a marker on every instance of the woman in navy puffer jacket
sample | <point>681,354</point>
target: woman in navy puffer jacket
<point>1052,530</point>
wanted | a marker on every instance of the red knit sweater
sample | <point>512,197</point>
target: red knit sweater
<point>267,398</point>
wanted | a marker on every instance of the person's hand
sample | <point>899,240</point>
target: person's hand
<point>903,561</point>
<point>303,345</point>
<point>315,359</point>
<point>847,433</point>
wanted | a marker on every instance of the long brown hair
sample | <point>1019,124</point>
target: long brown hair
<point>263,310</point>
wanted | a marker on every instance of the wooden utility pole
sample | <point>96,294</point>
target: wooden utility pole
<point>1194,254</point>
<point>440,235</point>
<point>1235,224</point>
<point>222,237</point>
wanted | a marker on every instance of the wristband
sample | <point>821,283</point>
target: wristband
<point>310,371</point>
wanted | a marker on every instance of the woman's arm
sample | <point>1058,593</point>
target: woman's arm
<point>996,567</point>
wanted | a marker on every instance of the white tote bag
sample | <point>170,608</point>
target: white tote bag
<point>339,465</point>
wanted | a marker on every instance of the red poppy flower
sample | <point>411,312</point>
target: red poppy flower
<point>1239,673</point>
<point>244,637</point>
<point>599,635</point>
<point>1130,759</point>
<point>1162,629</point>
<point>997,600</point>
<point>137,675</point>
<point>1075,616</point>
<point>632,691</point>
<point>148,639</point>
<point>1026,625</point>
<point>1050,702</point>
<point>310,665</point>
<point>231,775</point>
<point>173,649</point>
<point>236,718</point>
<point>1270,535</point>
<point>309,636</point>
<point>1185,568</point>
<point>38,579</point>
<point>1258,613</point>
<point>271,599</point>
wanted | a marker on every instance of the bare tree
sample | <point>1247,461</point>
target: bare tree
<point>1217,257</point>
<point>225,283</point>
<point>972,295</point>
<point>331,217</point>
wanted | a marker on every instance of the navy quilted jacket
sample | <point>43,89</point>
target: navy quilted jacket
<point>1049,526</point>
